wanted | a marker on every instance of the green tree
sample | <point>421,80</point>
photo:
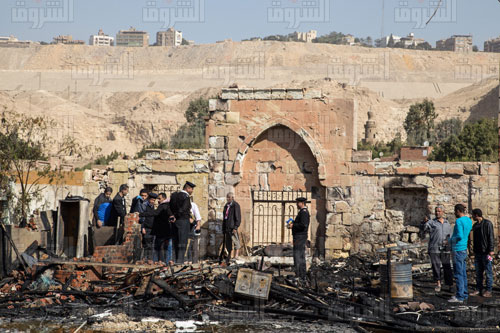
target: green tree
<point>447,128</point>
<point>331,38</point>
<point>192,134</point>
<point>387,149</point>
<point>419,122</point>
<point>475,48</point>
<point>24,142</point>
<point>478,141</point>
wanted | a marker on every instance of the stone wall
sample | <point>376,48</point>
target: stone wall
<point>387,200</point>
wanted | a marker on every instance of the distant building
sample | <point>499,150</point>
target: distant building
<point>11,41</point>
<point>492,45</point>
<point>348,40</point>
<point>456,43</point>
<point>67,39</point>
<point>385,41</point>
<point>415,153</point>
<point>132,38</point>
<point>307,37</point>
<point>171,37</point>
<point>410,41</point>
<point>101,39</point>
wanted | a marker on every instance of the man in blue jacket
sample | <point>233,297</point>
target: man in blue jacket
<point>459,241</point>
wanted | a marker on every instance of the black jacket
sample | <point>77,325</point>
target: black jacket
<point>161,226</point>
<point>233,220</point>
<point>180,204</point>
<point>137,205</point>
<point>101,198</point>
<point>301,223</point>
<point>118,210</point>
<point>483,236</point>
<point>147,221</point>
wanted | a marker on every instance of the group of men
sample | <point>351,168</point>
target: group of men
<point>446,244</point>
<point>170,226</point>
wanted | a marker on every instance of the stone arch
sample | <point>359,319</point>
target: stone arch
<point>274,163</point>
<point>294,127</point>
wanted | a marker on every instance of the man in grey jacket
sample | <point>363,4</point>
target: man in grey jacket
<point>439,250</point>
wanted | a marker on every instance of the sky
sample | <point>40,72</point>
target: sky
<point>207,21</point>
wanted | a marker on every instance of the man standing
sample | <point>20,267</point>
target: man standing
<point>299,232</point>
<point>138,202</point>
<point>147,223</point>
<point>458,241</point>
<point>118,209</point>
<point>484,244</point>
<point>180,204</point>
<point>439,250</point>
<point>101,198</point>
<point>230,224</point>
<point>194,235</point>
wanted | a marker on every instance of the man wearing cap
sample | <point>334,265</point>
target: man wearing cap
<point>147,226</point>
<point>180,204</point>
<point>299,232</point>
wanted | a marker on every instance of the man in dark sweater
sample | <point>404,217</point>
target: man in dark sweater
<point>484,245</point>
<point>230,223</point>
<point>180,204</point>
<point>102,198</point>
<point>299,232</point>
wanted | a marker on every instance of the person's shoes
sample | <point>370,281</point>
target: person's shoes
<point>437,289</point>
<point>475,293</point>
<point>454,299</point>
<point>487,294</point>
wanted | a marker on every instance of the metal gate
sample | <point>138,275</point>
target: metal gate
<point>271,210</point>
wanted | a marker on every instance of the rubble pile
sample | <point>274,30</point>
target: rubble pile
<point>344,291</point>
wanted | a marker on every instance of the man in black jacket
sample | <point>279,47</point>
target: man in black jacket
<point>118,208</point>
<point>162,229</point>
<point>101,198</point>
<point>147,223</point>
<point>180,204</point>
<point>230,224</point>
<point>299,232</point>
<point>484,244</point>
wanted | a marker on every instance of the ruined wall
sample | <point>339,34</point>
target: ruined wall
<point>278,140</point>
<point>387,200</point>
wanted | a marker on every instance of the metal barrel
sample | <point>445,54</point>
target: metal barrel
<point>401,281</point>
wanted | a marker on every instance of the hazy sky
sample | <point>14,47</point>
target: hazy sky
<point>206,21</point>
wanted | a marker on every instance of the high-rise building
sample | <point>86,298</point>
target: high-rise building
<point>101,39</point>
<point>456,43</point>
<point>132,38</point>
<point>171,37</point>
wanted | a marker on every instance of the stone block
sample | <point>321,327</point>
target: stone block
<point>219,129</point>
<point>363,168</point>
<point>201,167</point>
<point>471,168</point>
<point>312,94</point>
<point>437,168</point>
<point>412,170</point>
<point>120,166</point>
<point>229,93</point>
<point>153,154</point>
<point>159,179</point>
<point>334,243</point>
<point>342,207</point>
<point>384,168</point>
<point>246,94</point>
<point>144,166</point>
<point>347,219</point>
<point>294,94</point>
<point>362,156</point>
<point>233,117</point>
<point>232,179</point>
<point>278,93</point>
<point>424,181</point>
<point>454,169</point>
<point>216,142</point>
<point>228,166</point>
<point>173,166</point>
<point>262,94</point>
<point>218,105</point>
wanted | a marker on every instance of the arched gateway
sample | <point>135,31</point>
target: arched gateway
<point>270,146</point>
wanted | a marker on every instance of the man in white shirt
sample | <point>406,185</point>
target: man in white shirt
<point>194,236</point>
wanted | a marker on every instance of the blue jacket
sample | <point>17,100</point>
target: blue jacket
<point>461,232</point>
